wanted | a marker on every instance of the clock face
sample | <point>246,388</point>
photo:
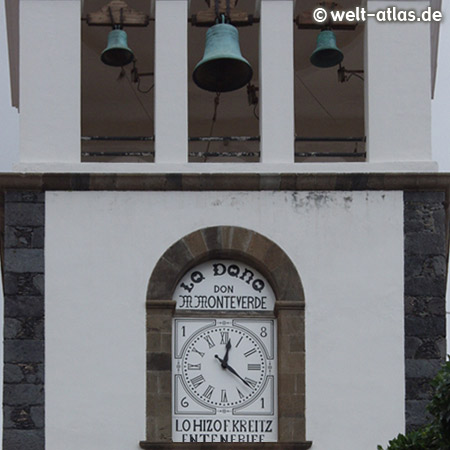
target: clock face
<point>224,366</point>
<point>224,379</point>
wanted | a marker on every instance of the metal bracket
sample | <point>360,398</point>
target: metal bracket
<point>207,18</point>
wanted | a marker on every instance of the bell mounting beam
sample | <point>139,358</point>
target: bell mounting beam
<point>118,12</point>
<point>306,21</point>
<point>207,18</point>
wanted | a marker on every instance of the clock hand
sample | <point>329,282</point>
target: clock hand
<point>225,358</point>
<point>227,366</point>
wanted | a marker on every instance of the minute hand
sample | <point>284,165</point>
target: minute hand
<point>227,366</point>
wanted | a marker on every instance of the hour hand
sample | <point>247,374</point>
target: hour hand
<point>225,358</point>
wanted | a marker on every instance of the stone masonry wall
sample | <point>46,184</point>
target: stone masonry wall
<point>425,284</point>
<point>24,322</point>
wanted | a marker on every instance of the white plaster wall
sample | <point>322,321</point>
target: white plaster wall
<point>102,246</point>
<point>50,62</point>
<point>397,86</point>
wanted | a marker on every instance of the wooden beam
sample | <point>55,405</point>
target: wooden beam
<point>121,14</point>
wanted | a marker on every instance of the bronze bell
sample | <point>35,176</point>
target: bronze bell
<point>326,53</point>
<point>117,53</point>
<point>223,68</point>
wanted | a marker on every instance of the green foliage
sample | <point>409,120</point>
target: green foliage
<point>439,406</point>
<point>422,439</point>
<point>436,435</point>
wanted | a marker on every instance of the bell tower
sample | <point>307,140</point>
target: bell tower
<point>225,226</point>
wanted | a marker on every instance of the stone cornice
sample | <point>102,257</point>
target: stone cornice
<point>224,181</point>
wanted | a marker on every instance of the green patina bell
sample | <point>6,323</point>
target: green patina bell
<point>223,68</point>
<point>117,53</point>
<point>326,53</point>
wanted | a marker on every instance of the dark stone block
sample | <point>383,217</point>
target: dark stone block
<point>212,237</point>
<point>24,260</point>
<point>416,413</point>
<point>24,283</point>
<point>12,328</point>
<point>174,182</point>
<point>18,237</point>
<point>412,223</point>
<point>418,389</point>
<point>23,440</point>
<point>424,306</point>
<point>80,181</point>
<point>39,283</point>
<point>422,368</point>
<point>13,374</point>
<point>9,283</point>
<point>24,351</point>
<point>38,416</point>
<point>23,394</point>
<point>159,361</point>
<point>33,372</point>
<point>18,417</point>
<point>432,267</point>
<point>179,256</point>
<point>413,266</point>
<point>24,306</point>
<point>157,287</point>
<point>24,214</point>
<point>435,267</point>
<point>38,237</point>
<point>412,344</point>
<point>24,196</point>
<point>431,349</point>
<point>425,286</point>
<point>425,244</point>
<point>439,221</point>
<point>424,197</point>
<point>24,328</point>
<point>425,326</point>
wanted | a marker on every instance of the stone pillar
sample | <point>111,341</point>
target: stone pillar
<point>50,66</point>
<point>291,371</point>
<point>24,322</point>
<point>425,286</point>
<point>171,119</point>
<point>276,81</point>
<point>397,86</point>
<point>159,370</point>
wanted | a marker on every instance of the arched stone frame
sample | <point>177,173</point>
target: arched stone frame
<point>254,249</point>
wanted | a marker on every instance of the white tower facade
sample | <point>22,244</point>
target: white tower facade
<point>183,267</point>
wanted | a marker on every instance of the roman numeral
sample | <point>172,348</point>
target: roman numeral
<point>209,340</point>
<point>254,366</point>
<point>196,351</point>
<point>239,341</point>
<point>250,352</point>
<point>224,337</point>
<point>241,395</point>
<point>223,396</point>
<point>197,381</point>
<point>209,390</point>
<point>251,382</point>
<point>194,366</point>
